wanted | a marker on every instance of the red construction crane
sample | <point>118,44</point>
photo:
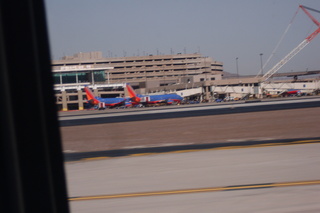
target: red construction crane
<point>295,51</point>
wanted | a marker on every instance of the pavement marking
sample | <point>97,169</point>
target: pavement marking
<point>199,190</point>
<point>141,154</point>
<point>95,158</point>
<point>264,145</point>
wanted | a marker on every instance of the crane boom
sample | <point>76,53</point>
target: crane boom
<point>296,50</point>
<point>281,63</point>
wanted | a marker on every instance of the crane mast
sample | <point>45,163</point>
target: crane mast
<point>296,50</point>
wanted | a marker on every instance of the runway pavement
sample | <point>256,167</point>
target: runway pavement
<point>260,179</point>
<point>238,161</point>
<point>97,155</point>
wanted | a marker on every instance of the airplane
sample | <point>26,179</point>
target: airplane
<point>106,102</point>
<point>167,99</point>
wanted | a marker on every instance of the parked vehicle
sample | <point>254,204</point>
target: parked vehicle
<point>228,98</point>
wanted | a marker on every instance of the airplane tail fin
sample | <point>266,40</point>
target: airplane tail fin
<point>132,94</point>
<point>90,96</point>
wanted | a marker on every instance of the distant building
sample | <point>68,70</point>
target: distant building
<point>106,76</point>
<point>166,69</point>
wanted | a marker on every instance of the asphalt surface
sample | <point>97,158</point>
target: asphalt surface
<point>238,161</point>
<point>96,155</point>
<point>133,183</point>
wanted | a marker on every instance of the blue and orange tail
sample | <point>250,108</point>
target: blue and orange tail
<point>90,97</point>
<point>132,94</point>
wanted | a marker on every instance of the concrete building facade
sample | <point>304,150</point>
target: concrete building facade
<point>166,69</point>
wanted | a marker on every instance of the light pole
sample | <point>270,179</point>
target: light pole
<point>237,66</point>
<point>261,63</point>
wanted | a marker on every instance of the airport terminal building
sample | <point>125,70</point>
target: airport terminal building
<point>107,76</point>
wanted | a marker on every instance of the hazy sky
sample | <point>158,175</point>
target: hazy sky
<point>222,30</point>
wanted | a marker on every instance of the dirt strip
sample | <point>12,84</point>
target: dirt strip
<point>281,124</point>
